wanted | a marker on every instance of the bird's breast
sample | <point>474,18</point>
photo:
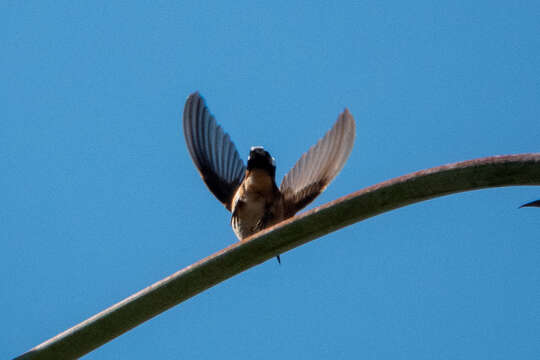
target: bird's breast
<point>248,212</point>
<point>256,205</point>
<point>259,181</point>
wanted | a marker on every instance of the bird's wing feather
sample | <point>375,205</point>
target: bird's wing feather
<point>318,167</point>
<point>212,150</point>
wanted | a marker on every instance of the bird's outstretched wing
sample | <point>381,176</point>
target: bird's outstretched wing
<point>535,203</point>
<point>318,167</point>
<point>212,150</point>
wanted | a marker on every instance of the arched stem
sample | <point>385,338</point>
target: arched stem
<point>496,171</point>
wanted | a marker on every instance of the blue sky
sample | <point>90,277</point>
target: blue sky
<point>101,199</point>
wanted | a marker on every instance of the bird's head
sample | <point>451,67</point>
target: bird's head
<point>261,159</point>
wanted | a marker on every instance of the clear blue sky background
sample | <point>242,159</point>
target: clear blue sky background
<point>101,199</point>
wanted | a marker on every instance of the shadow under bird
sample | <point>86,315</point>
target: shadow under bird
<point>250,192</point>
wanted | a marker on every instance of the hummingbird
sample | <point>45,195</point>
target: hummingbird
<point>250,192</point>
